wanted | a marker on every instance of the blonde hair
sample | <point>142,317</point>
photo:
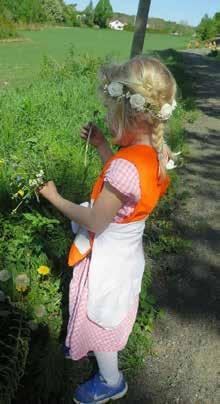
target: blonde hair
<point>150,78</point>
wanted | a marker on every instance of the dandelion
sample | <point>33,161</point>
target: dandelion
<point>43,270</point>
<point>2,296</point>
<point>22,282</point>
<point>20,193</point>
<point>4,275</point>
<point>40,311</point>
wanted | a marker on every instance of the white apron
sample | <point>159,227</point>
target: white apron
<point>115,271</point>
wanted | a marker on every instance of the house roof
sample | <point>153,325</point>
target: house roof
<point>116,22</point>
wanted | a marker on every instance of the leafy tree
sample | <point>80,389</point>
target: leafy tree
<point>70,14</point>
<point>103,12</point>
<point>207,28</point>
<point>53,10</point>
<point>89,14</point>
<point>29,11</point>
<point>217,22</point>
<point>23,10</point>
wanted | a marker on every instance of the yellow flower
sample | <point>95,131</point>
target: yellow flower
<point>20,193</point>
<point>43,270</point>
<point>21,288</point>
<point>2,161</point>
<point>22,282</point>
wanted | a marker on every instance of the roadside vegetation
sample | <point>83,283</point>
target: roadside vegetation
<point>40,126</point>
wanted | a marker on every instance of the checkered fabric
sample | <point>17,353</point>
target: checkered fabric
<point>83,335</point>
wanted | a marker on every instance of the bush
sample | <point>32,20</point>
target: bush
<point>129,27</point>
<point>7,29</point>
<point>207,28</point>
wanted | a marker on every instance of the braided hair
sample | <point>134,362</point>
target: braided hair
<point>151,79</point>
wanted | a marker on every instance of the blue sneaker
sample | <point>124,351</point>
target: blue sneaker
<point>66,351</point>
<point>97,391</point>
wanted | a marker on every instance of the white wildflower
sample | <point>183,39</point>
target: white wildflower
<point>40,311</point>
<point>22,282</point>
<point>137,102</point>
<point>4,275</point>
<point>33,183</point>
<point>115,89</point>
<point>40,174</point>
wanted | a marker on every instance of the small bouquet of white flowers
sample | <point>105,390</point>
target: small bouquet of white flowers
<point>27,189</point>
<point>24,179</point>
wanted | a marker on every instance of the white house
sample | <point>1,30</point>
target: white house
<point>118,25</point>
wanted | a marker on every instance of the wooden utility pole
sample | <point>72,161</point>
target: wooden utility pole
<point>140,27</point>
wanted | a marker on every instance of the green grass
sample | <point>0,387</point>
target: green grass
<point>20,62</point>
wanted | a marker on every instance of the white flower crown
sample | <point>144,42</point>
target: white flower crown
<point>138,102</point>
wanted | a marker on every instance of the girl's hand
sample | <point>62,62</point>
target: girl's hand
<point>49,191</point>
<point>96,135</point>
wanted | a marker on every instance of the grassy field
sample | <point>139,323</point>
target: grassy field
<point>20,61</point>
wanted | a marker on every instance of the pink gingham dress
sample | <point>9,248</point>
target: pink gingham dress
<point>83,335</point>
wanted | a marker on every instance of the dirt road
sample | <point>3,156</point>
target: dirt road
<point>185,363</point>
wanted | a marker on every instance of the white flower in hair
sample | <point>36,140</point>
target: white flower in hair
<point>115,89</point>
<point>174,105</point>
<point>166,111</point>
<point>170,165</point>
<point>137,102</point>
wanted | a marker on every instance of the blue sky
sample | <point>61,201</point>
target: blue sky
<point>176,10</point>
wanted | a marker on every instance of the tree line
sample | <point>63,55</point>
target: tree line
<point>55,11</point>
<point>209,28</point>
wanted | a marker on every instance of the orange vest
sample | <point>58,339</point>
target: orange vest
<point>145,159</point>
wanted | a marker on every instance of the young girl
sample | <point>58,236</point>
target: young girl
<point>107,253</point>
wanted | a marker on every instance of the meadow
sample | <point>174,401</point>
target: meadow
<point>20,61</point>
<point>40,122</point>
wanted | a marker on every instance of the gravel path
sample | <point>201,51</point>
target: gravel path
<point>184,366</point>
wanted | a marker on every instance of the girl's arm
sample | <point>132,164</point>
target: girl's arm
<point>104,151</point>
<point>95,219</point>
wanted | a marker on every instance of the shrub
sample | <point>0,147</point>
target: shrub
<point>7,29</point>
<point>129,27</point>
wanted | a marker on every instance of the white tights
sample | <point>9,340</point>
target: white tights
<point>108,366</point>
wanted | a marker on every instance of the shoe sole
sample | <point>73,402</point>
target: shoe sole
<point>106,400</point>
